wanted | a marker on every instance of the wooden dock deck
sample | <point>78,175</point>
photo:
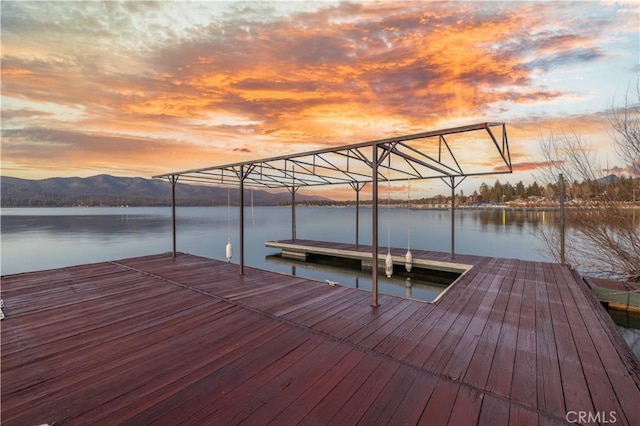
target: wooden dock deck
<point>437,261</point>
<point>156,340</point>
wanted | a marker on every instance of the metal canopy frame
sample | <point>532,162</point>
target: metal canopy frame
<point>426,155</point>
<point>352,163</point>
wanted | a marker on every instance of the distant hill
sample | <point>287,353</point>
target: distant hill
<point>106,190</point>
<point>608,180</point>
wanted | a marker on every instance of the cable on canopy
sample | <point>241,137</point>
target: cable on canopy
<point>408,257</point>
<point>388,261</point>
<point>253,218</point>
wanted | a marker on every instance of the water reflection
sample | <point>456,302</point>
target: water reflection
<point>418,289</point>
<point>629,326</point>
<point>496,220</point>
<point>100,225</point>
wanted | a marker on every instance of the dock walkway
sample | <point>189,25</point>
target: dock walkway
<point>437,261</point>
<point>156,340</point>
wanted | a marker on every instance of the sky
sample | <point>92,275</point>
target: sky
<point>143,88</point>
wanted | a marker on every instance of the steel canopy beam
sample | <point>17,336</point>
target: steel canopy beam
<point>350,164</point>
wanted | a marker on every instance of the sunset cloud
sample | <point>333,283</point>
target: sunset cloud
<point>164,86</point>
<point>58,149</point>
<point>528,166</point>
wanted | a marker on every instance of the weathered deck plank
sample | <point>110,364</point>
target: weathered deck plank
<point>550,397</point>
<point>454,362</point>
<point>572,380</point>
<point>524,382</point>
<point>160,340</point>
<point>480,363</point>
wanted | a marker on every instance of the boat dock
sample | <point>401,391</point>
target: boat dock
<point>618,295</point>
<point>163,340</point>
<point>302,249</point>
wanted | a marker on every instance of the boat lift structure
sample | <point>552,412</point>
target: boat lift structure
<point>451,155</point>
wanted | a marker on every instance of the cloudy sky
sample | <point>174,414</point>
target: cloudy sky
<point>141,88</point>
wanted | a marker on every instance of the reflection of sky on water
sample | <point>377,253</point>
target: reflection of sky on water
<point>629,326</point>
<point>44,242</point>
<point>102,226</point>
<point>396,285</point>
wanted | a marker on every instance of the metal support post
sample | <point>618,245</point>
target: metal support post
<point>173,179</point>
<point>357,216</point>
<point>453,217</point>
<point>374,229</point>
<point>562,254</point>
<point>242,220</point>
<point>293,191</point>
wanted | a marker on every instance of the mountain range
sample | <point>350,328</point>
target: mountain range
<point>107,190</point>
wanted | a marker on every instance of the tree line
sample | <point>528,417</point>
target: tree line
<point>626,189</point>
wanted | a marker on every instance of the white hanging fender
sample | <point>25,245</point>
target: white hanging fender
<point>229,251</point>
<point>408,261</point>
<point>388,265</point>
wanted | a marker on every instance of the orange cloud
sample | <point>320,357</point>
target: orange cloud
<point>57,150</point>
<point>527,166</point>
<point>182,92</point>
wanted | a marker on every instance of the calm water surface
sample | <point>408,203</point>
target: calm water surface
<point>37,239</point>
<point>45,238</point>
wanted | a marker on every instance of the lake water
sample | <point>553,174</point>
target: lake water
<point>37,239</point>
<point>46,238</point>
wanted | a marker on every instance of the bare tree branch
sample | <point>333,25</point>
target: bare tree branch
<point>604,231</point>
<point>625,122</point>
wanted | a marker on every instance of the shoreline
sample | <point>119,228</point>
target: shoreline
<point>442,207</point>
